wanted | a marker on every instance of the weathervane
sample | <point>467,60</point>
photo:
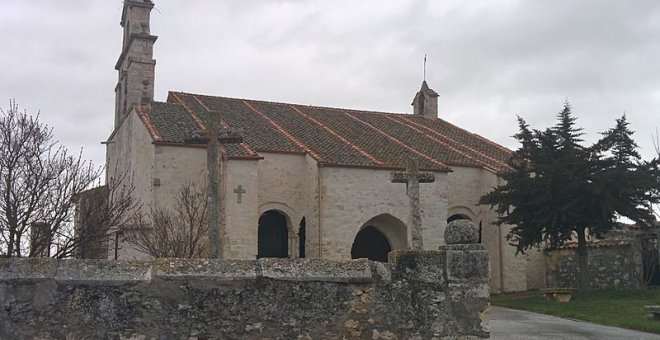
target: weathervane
<point>424,66</point>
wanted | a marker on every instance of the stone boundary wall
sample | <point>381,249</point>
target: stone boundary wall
<point>420,295</point>
<point>610,267</point>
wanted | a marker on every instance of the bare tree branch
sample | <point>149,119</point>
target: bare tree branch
<point>102,212</point>
<point>178,232</point>
<point>38,183</point>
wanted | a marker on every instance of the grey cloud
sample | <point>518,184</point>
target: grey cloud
<point>488,60</point>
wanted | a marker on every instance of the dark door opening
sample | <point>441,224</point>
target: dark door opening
<point>457,217</point>
<point>302,238</point>
<point>372,244</point>
<point>273,238</point>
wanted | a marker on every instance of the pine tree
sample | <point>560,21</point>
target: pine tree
<point>557,189</point>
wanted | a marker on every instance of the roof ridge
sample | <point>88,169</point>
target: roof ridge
<point>224,125</point>
<point>200,123</point>
<point>501,147</point>
<point>288,103</point>
<point>461,144</point>
<point>279,128</point>
<point>148,123</point>
<point>397,141</point>
<point>336,134</point>
<point>201,103</point>
<point>417,129</point>
<point>468,146</point>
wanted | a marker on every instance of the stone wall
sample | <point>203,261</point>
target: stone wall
<point>611,266</point>
<point>129,155</point>
<point>284,186</point>
<point>420,295</point>
<point>242,217</point>
<point>352,197</point>
<point>535,269</point>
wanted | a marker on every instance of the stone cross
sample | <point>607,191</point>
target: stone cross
<point>239,191</point>
<point>412,177</point>
<point>213,137</point>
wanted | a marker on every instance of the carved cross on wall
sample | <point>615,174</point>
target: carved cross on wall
<point>213,137</point>
<point>412,177</point>
<point>239,191</point>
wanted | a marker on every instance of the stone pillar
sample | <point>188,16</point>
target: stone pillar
<point>468,271</point>
<point>413,177</point>
<point>450,285</point>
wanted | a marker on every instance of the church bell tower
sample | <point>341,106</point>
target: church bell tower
<point>425,102</point>
<point>135,65</point>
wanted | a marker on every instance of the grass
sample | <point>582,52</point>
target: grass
<point>620,308</point>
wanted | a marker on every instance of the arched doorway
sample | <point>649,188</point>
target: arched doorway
<point>458,217</point>
<point>372,244</point>
<point>273,235</point>
<point>378,236</point>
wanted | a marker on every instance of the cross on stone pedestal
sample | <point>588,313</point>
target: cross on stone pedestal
<point>213,137</point>
<point>412,177</point>
<point>239,191</point>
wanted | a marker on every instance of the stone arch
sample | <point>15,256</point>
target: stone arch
<point>455,217</point>
<point>282,207</point>
<point>273,234</point>
<point>292,227</point>
<point>378,236</point>
<point>460,212</point>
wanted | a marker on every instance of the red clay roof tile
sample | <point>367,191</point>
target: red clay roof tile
<point>338,137</point>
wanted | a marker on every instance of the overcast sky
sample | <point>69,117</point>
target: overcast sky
<point>488,60</point>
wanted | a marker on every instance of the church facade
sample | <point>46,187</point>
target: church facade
<point>305,181</point>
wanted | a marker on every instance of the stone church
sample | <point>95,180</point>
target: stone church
<point>306,181</point>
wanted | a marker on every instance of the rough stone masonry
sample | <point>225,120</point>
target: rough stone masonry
<point>440,294</point>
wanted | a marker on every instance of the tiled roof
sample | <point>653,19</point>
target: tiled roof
<point>332,136</point>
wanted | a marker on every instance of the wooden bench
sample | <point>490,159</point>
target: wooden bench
<point>652,312</point>
<point>558,294</point>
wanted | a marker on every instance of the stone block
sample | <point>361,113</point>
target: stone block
<point>652,312</point>
<point>421,265</point>
<point>462,290</point>
<point>394,255</point>
<point>462,247</point>
<point>102,272</point>
<point>470,265</point>
<point>210,269</point>
<point>27,269</point>
<point>356,271</point>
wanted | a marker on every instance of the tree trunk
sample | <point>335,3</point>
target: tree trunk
<point>583,259</point>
